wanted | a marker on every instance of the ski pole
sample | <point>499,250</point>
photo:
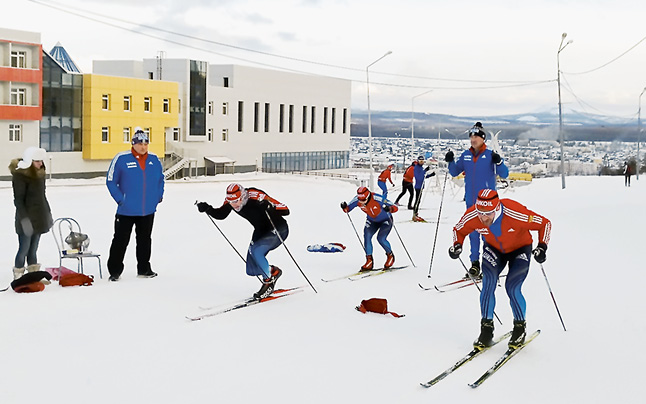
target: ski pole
<point>225,237</point>
<point>403,245</point>
<point>355,231</point>
<point>288,252</point>
<point>553,299</point>
<point>437,226</point>
<point>477,286</point>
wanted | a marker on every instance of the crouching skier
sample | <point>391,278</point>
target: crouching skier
<point>257,207</point>
<point>505,226</point>
<point>379,219</point>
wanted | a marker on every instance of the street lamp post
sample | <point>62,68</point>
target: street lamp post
<point>369,119</point>
<point>639,128</point>
<point>412,122</point>
<point>558,81</point>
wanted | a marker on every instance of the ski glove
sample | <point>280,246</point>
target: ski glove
<point>449,157</point>
<point>386,208</point>
<point>539,253</point>
<point>455,251</point>
<point>430,175</point>
<point>495,157</point>
<point>265,205</point>
<point>203,207</point>
<point>344,206</point>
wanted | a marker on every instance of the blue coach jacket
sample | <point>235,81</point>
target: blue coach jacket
<point>136,191</point>
<point>479,172</point>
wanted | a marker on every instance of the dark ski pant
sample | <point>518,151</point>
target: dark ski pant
<point>493,262</point>
<point>122,231</point>
<point>406,187</point>
<point>257,264</point>
<point>383,229</point>
<point>27,247</point>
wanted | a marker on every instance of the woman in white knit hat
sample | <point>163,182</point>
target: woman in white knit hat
<point>33,215</point>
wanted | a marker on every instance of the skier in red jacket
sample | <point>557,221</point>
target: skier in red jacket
<point>505,226</point>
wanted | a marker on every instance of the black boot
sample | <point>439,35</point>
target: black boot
<point>485,339</point>
<point>518,334</point>
<point>269,284</point>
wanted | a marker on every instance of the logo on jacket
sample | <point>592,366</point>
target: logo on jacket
<point>131,164</point>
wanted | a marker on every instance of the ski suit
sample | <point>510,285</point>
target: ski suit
<point>377,220</point>
<point>381,181</point>
<point>506,241</point>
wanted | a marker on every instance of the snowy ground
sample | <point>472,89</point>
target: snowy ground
<point>128,342</point>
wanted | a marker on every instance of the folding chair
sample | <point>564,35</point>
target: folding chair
<point>73,244</point>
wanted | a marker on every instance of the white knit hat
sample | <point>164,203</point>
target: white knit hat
<point>32,154</point>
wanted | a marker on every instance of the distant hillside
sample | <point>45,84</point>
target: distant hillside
<point>576,126</point>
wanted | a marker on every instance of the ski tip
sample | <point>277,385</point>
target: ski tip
<point>473,385</point>
<point>425,385</point>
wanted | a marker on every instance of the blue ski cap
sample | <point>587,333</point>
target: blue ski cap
<point>140,137</point>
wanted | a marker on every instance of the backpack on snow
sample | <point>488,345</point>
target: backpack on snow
<point>30,282</point>
<point>76,279</point>
<point>376,305</point>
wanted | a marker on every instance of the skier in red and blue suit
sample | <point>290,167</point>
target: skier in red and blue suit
<point>480,166</point>
<point>379,220</point>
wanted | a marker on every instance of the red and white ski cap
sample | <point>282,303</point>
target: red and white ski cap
<point>234,192</point>
<point>363,193</point>
<point>487,201</point>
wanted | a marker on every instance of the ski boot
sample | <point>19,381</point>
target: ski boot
<point>390,260</point>
<point>485,339</point>
<point>368,265</point>
<point>268,284</point>
<point>474,271</point>
<point>518,334</point>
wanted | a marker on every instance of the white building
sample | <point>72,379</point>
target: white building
<point>242,118</point>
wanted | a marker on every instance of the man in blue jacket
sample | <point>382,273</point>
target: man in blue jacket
<point>135,180</point>
<point>480,166</point>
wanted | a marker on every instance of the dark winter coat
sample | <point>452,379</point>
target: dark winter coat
<point>29,198</point>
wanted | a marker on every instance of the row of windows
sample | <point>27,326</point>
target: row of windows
<point>106,103</point>
<point>106,134</point>
<point>286,117</point>
<point>304,161</point>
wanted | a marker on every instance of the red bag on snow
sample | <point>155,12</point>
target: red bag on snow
<point>376,305</point>
<point>76,279</point>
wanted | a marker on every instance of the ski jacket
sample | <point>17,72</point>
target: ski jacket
<point>479,172</point>
<point>32,207</point>
<point>420,175</point>
<point>374,208</point>
<point>385,176</point>
<point>509,231</point>
<point>409,175</point>
<point>255,211</point>
<point>137,191</point>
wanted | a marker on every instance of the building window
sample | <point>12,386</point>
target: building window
<point>266,117</point>
<point>225,135</point>
<point>256,111</point>
<point>210,108</point>
<point>166,108</point>
<point>105,134</point>
<point>226,81</point>
<point>15,132</point>
<point>290,119</point>
<point>281,118</point>
<point>313,122</point>
<point>325,119</point>
<point>240,115</point>
<point>126,103</point>
<point>149,134</point>
<point>225,108</point>
<point>209,134</point>
<point>105,102</point>
<point>150,75</point>
<point>175,134</point>
<point>345,119</point>
<point>304,119</point>
<point>19,59</point>
<point>146,104</point>
<point>126,135</point>
<point>18,96</point>
<point>333,123</point>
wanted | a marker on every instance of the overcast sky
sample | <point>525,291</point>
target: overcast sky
<point>479,57</point>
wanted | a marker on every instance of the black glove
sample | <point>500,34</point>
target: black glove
<point>495,157</point>
<point>386,208</point>
<point>265,205</point>
<point>539,253</point>
<point>449,157</point>
<point>203,207</point>
<point>431,175</point>
<point>427,168</point>
<point>455,251</point>
<point>344,206</point>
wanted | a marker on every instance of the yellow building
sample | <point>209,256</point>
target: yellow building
<point>114,106</point>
